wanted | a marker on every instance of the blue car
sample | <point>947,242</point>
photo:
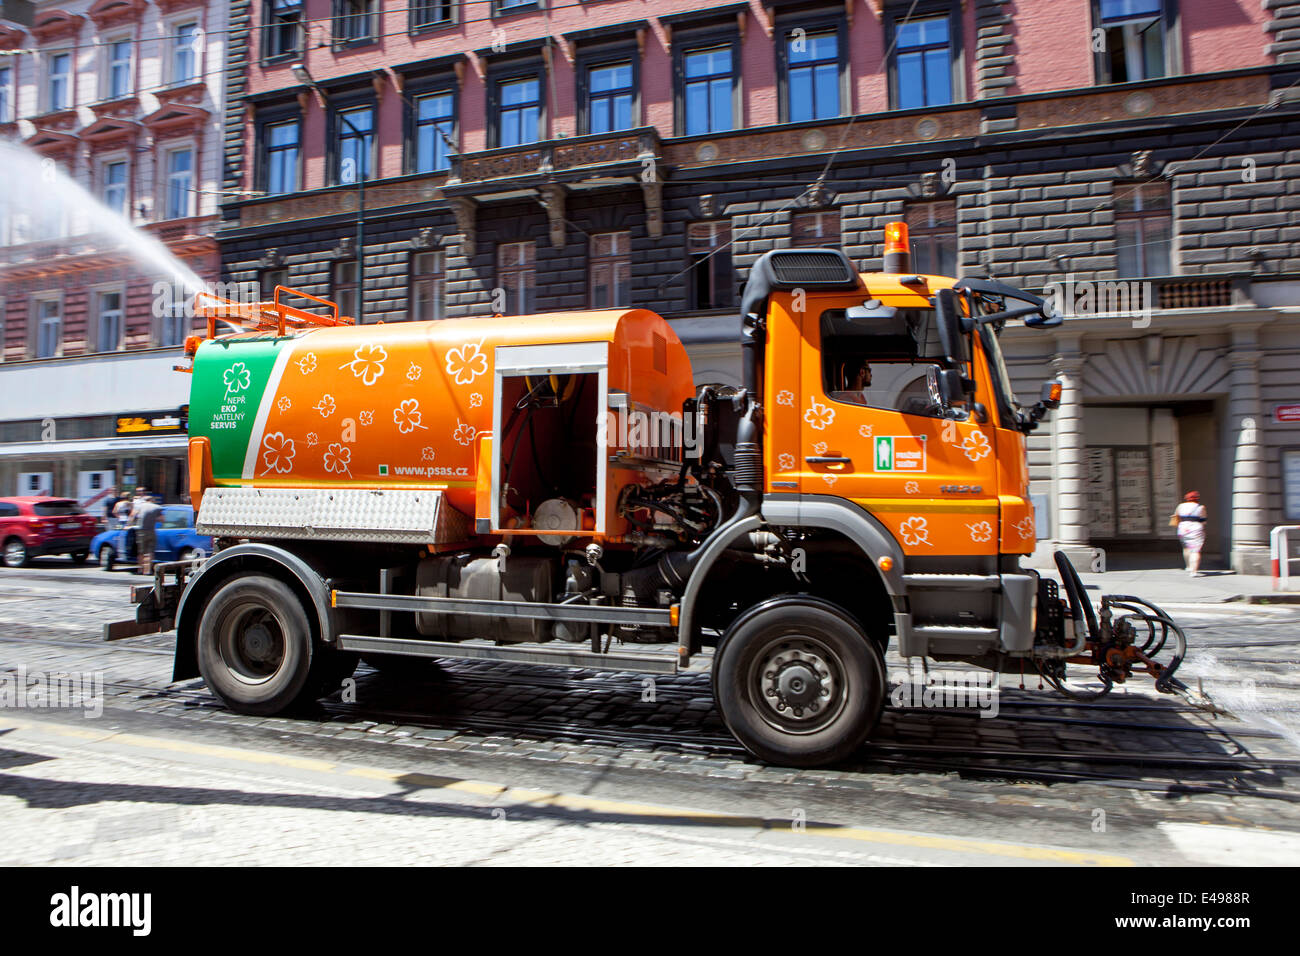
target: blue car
<point>176,540</point>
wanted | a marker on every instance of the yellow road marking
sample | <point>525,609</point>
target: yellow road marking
<point>565,801</point>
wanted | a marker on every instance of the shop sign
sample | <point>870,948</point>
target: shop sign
<point>173,422</point>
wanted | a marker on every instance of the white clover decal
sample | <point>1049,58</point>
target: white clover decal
<point>785,397</point>
<point>819,415</point>
<point>413,373</point>
<point>1025,526</point>
<point>981,531</point>
<point>829,478</point>
<point>284,404</point>
<point>785,462</point>
<point>466,363</point>
<point>912,487</point>
<point>337,459</point>
<point>464,434</point>
<point>237,377</point>
<point>976,445</point>
<point>367,417</point>
<point>277,453</point>
<point>307,364</point>
<point>407,416</point>
<point>915,532</point>
<point>326,405</point>
<point>865,431</point>
<point>367,363</point>
<point>311,439</point>
<point>426,454</point>
<point>475,400</point>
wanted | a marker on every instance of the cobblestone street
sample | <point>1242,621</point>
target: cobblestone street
<point>482,763</point>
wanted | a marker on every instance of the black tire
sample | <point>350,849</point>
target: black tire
<point>798,682</point>
<point>79,557</point>
<point>255,647</point>
<point>106,557</point>
<point>15,553</point>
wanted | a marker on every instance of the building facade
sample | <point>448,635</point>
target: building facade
<point>111,115</point>
<point>1135,159</point>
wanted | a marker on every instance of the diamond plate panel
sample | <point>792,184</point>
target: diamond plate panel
<point>390,515</point>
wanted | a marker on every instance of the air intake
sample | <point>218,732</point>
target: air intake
<point>814,268</point>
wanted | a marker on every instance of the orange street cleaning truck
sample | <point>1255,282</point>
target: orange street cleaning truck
<point>555,489</point>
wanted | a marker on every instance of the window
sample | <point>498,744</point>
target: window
<point>923,61</point>
<point>115,186</point>
<point>271,278</point>
<point>180,183</point>
<point>355,141</point>
<point>812,64</point>
<point>343,289</point>
<point>609,269</point>
<point>933,230</point>
<point>517,274</point>
<point>60,81</point>
<point>1143,230</point>
<point>281,159</point>
<point>1131,37</point>
<point>119,69</point>
<point>173,325</point>
<point>435,129</point>
<point>185,50</point>
<point>426,14</point>
<point>49,328</point>
<point>880,362</point>
<point>708,87</point>
<point>610,97</point>
<point>501,7</point>
<point>354,20</point>
<point>519,111</point>
<point>820,228</point>
<point>283,27</point>
<point>713,281</point>
<point>6,94</point>
<point>108,325</point>
<point>428,280</point>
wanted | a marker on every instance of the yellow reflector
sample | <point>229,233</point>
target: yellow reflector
<point>675,614</point>
<point>886,563</point>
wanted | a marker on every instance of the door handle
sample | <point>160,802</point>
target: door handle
<point>828,460</point>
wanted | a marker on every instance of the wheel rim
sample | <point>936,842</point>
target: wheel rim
<point>14,552</point>
<point>252,644</point>
<point>797,684</point>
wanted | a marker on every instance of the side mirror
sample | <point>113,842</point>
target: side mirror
<point>948,316</point>
<point>1042,321</point>
<point>946,386</point>
<point>1048,399</point>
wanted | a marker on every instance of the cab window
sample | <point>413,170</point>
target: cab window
<point>881,362</point>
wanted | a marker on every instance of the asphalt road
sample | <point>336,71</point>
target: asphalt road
<point>483,763</point>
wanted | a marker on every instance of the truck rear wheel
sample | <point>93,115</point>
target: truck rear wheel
<point>255,647</point>
<point>798,682</point>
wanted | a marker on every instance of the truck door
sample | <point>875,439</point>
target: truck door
<point>870,431</point>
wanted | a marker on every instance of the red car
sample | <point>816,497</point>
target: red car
<point>32,525</point>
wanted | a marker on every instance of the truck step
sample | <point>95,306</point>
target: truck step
<point>956,632</point>
<point>957,582</point>
<point>572,656</point>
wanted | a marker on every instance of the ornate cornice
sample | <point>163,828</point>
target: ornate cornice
<point>11,38</point>
<point>109,13</point>
<point>57,25</point>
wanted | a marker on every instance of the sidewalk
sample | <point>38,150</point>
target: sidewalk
<point>1173,586</point>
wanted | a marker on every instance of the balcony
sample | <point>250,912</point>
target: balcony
<point>550,171</point>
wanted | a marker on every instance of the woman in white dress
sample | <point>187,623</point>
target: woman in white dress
<point>1191,517</point>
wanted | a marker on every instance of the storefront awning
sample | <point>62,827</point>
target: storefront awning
<point>103,447</point>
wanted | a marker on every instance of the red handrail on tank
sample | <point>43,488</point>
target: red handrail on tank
<point>265,316</point>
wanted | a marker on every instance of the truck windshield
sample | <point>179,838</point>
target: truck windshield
<point>880,362</point>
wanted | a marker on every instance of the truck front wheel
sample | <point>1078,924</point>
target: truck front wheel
<point>798,682</point>
<point>255,646</point>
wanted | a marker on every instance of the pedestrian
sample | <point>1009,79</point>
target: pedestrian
<point>146,514</point>
<point>1190,517</point>
<point>110,503</point>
